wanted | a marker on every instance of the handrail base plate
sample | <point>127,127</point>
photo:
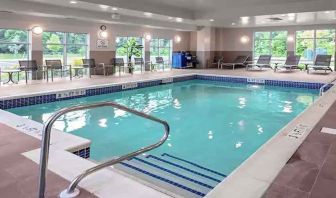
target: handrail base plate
<point>66,194</point>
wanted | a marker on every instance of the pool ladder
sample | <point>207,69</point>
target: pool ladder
<point>325,85</point>
<point>72,191</point>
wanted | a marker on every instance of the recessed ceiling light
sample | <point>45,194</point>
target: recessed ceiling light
<point>212,20</point>
<point>245,19</point>
<point>170,18</point>
<point>291,15</point>
<point>73,2</point>
<point>104,6</point>
<point>179,19</point>
<point>283,15</point>
<point>327,12</point>
<point>233,23</point>
<point>148,14</point>
<point>114,8</point>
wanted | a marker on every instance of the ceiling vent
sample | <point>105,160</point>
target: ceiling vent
<point>115,16</point>
<point>275,19</point>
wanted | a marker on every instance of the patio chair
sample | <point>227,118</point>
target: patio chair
<point>161,61</point>
<point>56,65</point>
<point>239,61</point>
<point>264,61</point>
<point>292,62</point>
<point>94,69</point>
<point>321,62</point>
<point>119,62</point>
<point>30,66</point>
<point>140,62</point>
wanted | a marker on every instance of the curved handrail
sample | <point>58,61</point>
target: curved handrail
<point>46,144</point>
<point>325,85</point>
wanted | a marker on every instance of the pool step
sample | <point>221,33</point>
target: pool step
<point>170,176</point>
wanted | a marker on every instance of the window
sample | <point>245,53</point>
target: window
<point>14,46</point>
<point>68,47</point>
<point>270,43</point>
<point>121,51</point>
<point>161,48</point>
<point>309,43</point>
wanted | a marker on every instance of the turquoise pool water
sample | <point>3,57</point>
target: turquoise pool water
<point>217,125</point>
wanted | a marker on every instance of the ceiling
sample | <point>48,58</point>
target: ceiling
<point>182,14</point>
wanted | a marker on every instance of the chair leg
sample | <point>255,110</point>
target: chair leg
<point>26,77</point>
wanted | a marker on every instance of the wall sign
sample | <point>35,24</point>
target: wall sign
<point>102,43</point>
<point>167,80</point>
<point>255,80</point>
<point>66,94</point>
<point>131,85</point>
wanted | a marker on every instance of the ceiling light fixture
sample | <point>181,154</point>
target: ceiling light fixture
<point>170,18</point>
<point>327,12</point>
<point>37,30</point>
<point>179,20</point>
<point>233,23</point>
<point>212,20</point>
<point>148,14</point>
<point>114,8</point>
<point>245,19</point>
<point>73,2</point>
<point>104,6</point>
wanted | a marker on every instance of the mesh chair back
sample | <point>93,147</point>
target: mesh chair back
<point>30,65</point>
<point>118,62</point>
<point>322,60</point>
<point>264,59</point>
<point>159,60</point>
<point>91,63</point>
<point>241,59</point>
<point>55,64</point>
<point>293,60</point>
<point>138,61</point>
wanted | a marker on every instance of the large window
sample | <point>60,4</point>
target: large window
<point>14,46</point>
<point>161,48</point>
<point>270,43</point>
<point>121,51</point>
<point>68,47</point>
<point>309,43</point>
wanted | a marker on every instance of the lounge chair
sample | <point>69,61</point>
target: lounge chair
<point>321,62</point>
<point>56,65</point>
<point>93,67</point>
<point>292,62</point>
<point>239,61</point>
<point>30,66</point>
<point>264,61</point>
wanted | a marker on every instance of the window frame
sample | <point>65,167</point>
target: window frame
<point>65,45</point>
<point>159,47</point>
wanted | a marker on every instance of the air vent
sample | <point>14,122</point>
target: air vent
<point>275,19</point>
<point>115,16</point>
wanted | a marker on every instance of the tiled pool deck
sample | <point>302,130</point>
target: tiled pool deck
<point>19,175</point>
<point>309,173</point>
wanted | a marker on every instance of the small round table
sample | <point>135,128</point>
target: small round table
<point>10,73</point>
<point>78,71</point>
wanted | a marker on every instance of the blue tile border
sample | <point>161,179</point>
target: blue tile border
<point>163,179</point>
<point>48,98</point>
<point>194,164</point>
<point>184,168</point>
<point>83,153</point>
<point>173,173</point>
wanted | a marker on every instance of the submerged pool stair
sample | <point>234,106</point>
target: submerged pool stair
<point>173,174</point>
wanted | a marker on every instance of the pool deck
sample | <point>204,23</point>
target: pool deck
<point>61,84</point>
<point>309,173</point>
<point>19,175</point>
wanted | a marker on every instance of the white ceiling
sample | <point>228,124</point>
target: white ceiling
<point>194,13</point>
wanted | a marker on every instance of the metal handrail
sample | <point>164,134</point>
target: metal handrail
<point>72,191</point>
<point>324,86</point>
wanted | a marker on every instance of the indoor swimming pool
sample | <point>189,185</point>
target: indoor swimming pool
<point>215,126</point>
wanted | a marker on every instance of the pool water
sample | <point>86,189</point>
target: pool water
<point>215,124</point>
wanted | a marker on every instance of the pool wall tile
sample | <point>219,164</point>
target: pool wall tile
<point>48,98</point>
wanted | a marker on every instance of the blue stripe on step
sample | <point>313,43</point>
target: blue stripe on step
<point>201,167</point>
<point>173,173</point>
<point>164,179</point>
<point>184,168</point>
